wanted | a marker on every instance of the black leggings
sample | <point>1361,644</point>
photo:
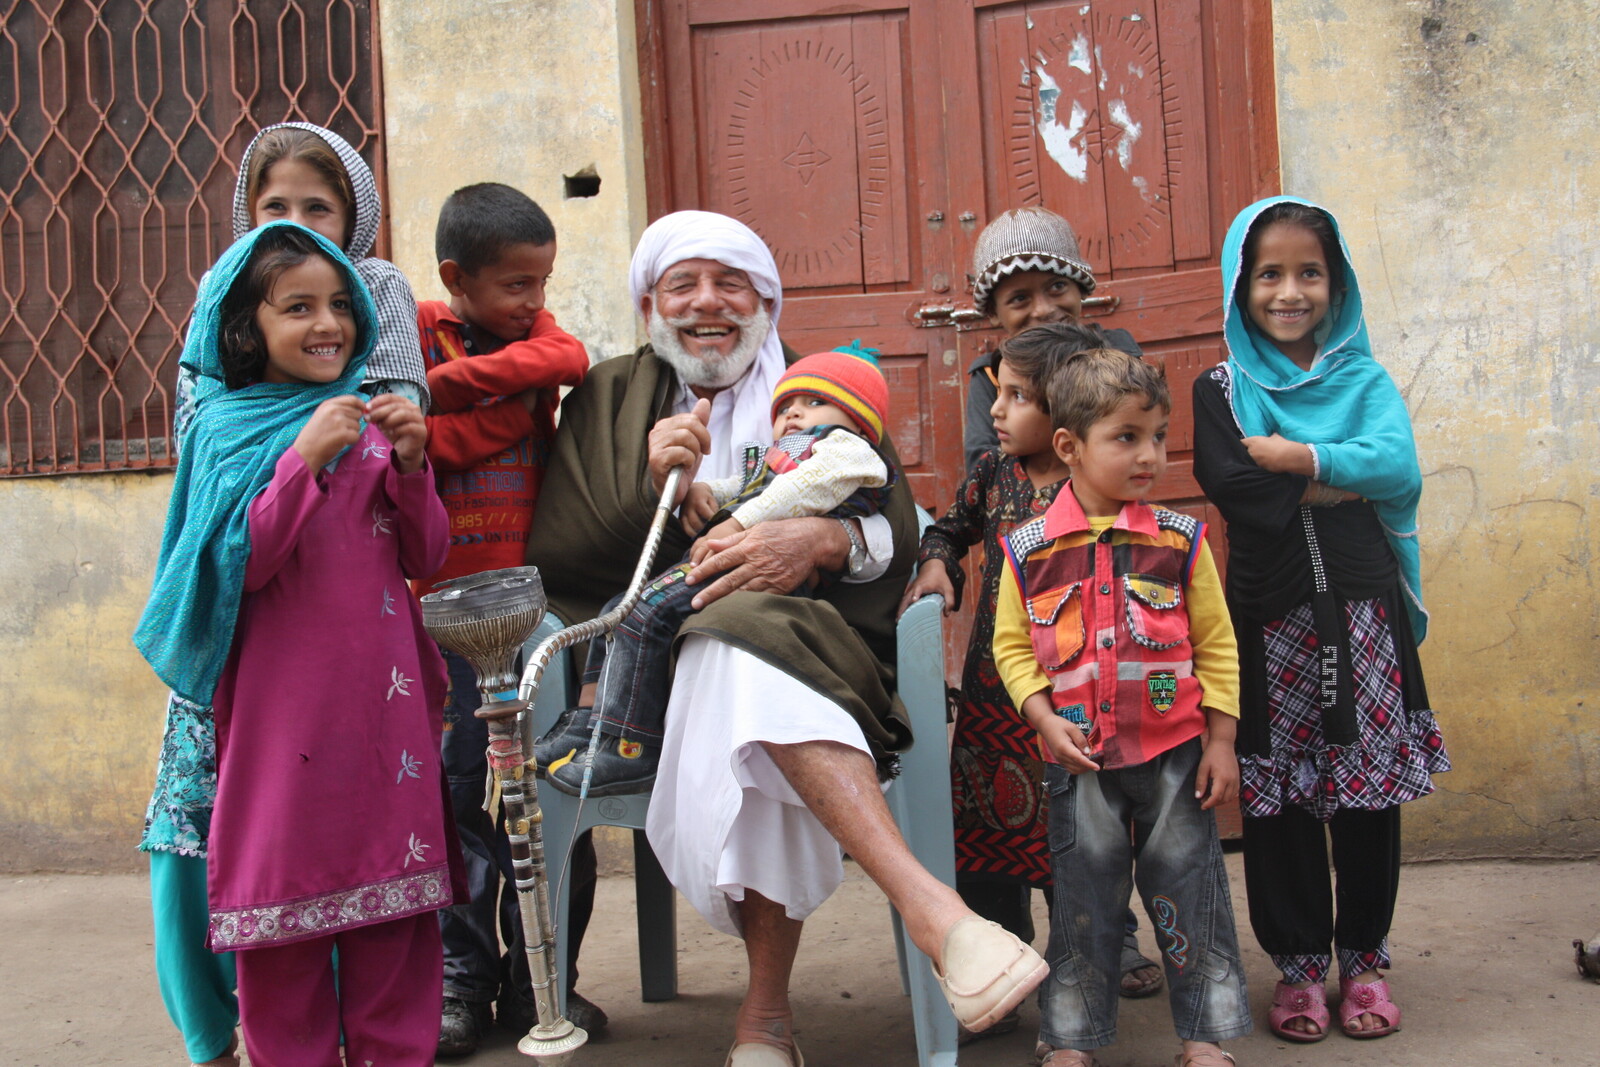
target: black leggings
<point>1292,906</point>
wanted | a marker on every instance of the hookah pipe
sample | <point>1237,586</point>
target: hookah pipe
<point>486,618</point>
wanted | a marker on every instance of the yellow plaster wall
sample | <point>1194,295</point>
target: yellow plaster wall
<point>82,712</point>
<point>521,93</point>
<point>1454,140</point>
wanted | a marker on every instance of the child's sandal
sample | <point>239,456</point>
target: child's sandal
<point>1366,998</point>
<point>1289,1003</point>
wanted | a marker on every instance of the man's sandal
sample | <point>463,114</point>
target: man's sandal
<point>1366,998</point>
<point>1206,1057</point>
<point>1068,1057</point>
<point>760,1054</point>
<point>987,971</point>
<point>1133,961</point>
<point>1289,1004</point>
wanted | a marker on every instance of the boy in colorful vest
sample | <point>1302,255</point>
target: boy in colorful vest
<point>1112,637</point>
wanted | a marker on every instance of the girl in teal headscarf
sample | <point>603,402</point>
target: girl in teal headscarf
<point>299,511</point>
<point>1304,444</point>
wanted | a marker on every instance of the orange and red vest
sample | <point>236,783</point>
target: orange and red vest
<point>1110,626</point>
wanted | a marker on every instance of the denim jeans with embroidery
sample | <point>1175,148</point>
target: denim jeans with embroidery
<point>1172,855</point>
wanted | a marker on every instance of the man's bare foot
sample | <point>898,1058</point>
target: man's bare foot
<point>765,1025</point>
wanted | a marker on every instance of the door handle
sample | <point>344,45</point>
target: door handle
<point>934,314</point>
<point>1105,305</point>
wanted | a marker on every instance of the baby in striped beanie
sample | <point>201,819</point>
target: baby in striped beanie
<point>827,422</point>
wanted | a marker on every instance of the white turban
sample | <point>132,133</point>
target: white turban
<point>683,235</point>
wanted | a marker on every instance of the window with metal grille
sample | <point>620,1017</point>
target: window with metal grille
<point>121,127</point>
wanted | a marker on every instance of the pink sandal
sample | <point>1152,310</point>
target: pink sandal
<point>1289,1003</point>
<point>1363,998</point>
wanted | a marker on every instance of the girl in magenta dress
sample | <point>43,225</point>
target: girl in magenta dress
<point>299,511</point>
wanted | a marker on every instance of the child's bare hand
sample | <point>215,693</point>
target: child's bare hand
<point>402,423</point>
<point>702,548</point>
<point>932,577</point>
<point>1065,742</point>
<point>333,427</point>
<point>1217,780</point>
<point>1279,454</point>
<point>698,508</point>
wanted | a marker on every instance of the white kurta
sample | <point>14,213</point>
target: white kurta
<point>724,819</point>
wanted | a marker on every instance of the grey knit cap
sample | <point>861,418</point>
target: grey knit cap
<point>1026,238</point>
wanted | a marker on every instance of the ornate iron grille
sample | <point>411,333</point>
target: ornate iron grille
<point>121,127</point>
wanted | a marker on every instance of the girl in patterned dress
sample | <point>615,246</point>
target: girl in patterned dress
<point>310,175</point>
<point>1304,444</point>
<point>299,510</point>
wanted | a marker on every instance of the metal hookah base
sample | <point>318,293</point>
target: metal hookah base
<point>553,1045</point>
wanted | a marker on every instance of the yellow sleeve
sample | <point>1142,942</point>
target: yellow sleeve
<point>1216,652</point>
<point>1013,647</point>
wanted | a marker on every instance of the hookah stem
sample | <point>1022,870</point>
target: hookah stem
<point>528,864</point>
<point>524,827</point>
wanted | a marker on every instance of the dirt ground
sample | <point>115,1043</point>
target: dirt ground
<point>1482,952</point>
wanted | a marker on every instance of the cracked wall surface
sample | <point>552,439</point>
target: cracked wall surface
<point>1454,140</point>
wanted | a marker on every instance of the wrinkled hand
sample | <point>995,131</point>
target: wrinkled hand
<point>1279,454</point>
<point>333,427</point>
<point>932,578</point>
<point>402,423</point>
<point>1060,736</point>
<point>679,441</point>
<point>772,557</point>
<point>699,505</point>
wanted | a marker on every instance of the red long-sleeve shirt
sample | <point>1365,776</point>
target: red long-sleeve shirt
<point>488,450</point>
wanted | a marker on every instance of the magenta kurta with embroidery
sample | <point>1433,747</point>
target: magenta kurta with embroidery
<point>331,809</point>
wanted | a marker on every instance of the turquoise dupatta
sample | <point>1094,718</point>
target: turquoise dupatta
<point>229,452</point>
<point>1346,406</point>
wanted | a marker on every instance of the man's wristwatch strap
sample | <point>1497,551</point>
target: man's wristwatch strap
<point>858,547</point>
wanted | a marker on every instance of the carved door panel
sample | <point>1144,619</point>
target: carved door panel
<point>1137,121</point>
<point>815,131</point>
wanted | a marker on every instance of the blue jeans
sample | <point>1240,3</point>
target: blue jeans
<point>1174,858</point>
<point>475,969</point>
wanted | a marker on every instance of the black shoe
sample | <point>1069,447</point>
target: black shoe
<point>516,1013</point>
<point>461,1026</point>
<point>621,768</point>
<point>567,738</point>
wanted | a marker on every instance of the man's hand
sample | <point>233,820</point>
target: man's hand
<point>772,557</point>
<point>679,441</point>
<point>1059,735</point>
<point>931,578</point>
<point>698,508</point>
<point>402,423</point>
<point>1279,455</point>
<point>1216,782</point>
<point>333,427</point>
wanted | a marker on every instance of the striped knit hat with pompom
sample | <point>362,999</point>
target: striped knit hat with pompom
<point>849,377</point>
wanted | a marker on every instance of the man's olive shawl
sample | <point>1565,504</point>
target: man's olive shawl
<point>595,509</point>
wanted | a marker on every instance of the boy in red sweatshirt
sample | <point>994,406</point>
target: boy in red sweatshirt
<point>495,360</point>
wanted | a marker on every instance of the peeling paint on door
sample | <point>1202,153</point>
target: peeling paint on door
<point>1058,139</point>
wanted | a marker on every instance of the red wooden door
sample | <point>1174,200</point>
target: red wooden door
<point>823,133</point>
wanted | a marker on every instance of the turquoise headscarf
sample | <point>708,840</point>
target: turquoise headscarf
<point>228,455</point>
<point>1346,405</point>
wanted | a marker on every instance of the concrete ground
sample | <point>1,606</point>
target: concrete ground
<point>1482,952</point>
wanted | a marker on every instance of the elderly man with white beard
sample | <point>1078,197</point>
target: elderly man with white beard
<point>782,724</point>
